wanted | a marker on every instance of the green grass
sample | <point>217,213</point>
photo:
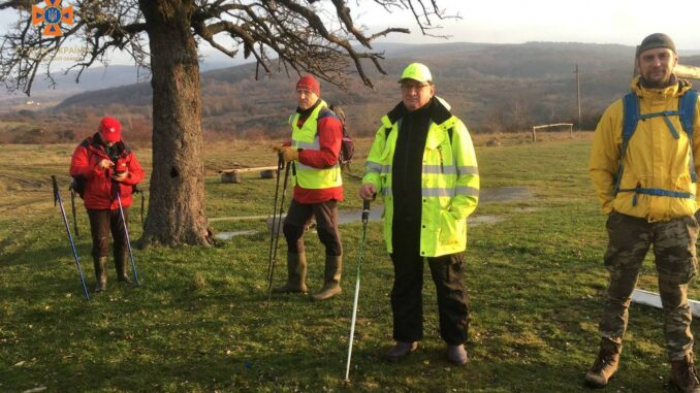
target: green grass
<point>201,321</point>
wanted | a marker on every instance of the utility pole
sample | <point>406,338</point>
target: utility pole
<point>578,98</point>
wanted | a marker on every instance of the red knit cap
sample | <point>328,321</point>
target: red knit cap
<point>309,83</point>
<point>110,129</point>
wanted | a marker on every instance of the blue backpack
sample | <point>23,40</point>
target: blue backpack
<point>686,112</point>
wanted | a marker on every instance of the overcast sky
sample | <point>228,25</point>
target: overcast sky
<point>512,21</point>
<point>596,21</point>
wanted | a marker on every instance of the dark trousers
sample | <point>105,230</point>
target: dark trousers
<point>299,216</point>
<point>102,222</point>
<point>406,295</point>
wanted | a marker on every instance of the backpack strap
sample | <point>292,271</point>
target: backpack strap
<point>630,103</point>
<point>630,108</point>
<point>686,112</point>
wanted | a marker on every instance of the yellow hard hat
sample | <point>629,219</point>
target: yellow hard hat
<point>418,72</point>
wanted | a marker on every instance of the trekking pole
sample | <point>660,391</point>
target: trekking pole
<point>57,198</point>
<point>126,231</point>
<point>75,218</point>
<point>277,230</point>
<point>365,219</point>
<point>143,203</point>
<point>280,166</point>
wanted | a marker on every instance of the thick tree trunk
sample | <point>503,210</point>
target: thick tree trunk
<point>176,206</point>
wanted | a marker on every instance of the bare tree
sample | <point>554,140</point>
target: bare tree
<point>292,36</point>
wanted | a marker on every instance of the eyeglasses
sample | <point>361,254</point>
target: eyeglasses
<point>408,87</point>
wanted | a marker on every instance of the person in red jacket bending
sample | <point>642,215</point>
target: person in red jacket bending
<point>101,165</point>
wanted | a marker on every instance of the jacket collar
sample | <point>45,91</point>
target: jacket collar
<point>96,144</point>
<point>673,90</point>
<point>439,113</point>
<point>305,113</point>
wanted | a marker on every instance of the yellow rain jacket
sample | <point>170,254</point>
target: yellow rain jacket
<point>449,182</point>
<point>655,159</point>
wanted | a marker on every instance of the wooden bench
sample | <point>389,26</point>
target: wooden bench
<point>235,175</point>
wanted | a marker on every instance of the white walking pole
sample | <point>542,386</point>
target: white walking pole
<point>365,218</point>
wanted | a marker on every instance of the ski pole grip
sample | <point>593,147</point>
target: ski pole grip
<point>365,211</point>
<point>280,160</point>
<point>55,189</point>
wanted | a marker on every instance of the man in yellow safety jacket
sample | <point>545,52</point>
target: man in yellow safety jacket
<point>643,164</point>
<point>424,154</point>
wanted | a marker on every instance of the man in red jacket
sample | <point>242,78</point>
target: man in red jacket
<point>101,165</point>
<point>317,134</point>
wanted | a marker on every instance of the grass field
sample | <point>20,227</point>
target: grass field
<point>201,321</point>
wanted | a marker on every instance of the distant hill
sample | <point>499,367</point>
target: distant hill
<point>48,93</point>
<point>493,87</point>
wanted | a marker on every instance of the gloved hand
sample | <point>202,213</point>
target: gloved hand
<point>289,153</point>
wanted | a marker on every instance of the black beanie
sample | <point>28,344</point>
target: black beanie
<point>657,40</point>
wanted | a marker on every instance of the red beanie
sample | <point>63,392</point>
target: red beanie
<point>309,83</point>
<point>110,129</point>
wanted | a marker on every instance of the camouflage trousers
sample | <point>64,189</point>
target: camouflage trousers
<point>676,264</point>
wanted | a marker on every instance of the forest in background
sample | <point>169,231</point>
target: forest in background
<point>492,87</point>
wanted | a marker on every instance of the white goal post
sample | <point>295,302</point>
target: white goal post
<point>535,128</point>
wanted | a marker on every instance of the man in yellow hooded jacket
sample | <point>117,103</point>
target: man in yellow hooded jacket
<point>422,162</point>
<point>644,167</point>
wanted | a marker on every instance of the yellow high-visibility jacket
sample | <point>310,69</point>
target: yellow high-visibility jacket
<point>307,137</point>
<point>655,159</point>
<point>449,182</point>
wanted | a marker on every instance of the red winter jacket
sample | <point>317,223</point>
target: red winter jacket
<point>100,192</point>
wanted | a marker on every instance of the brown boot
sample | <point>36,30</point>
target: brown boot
<point>604,367</point>
<point>100,273</point>
<point>120,265</point>
<point>683,375</point>
<point>296,275</point>
<point>331,278</point>
<point>401,350</point>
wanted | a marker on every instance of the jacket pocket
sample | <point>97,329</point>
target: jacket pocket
<point>449,230</point>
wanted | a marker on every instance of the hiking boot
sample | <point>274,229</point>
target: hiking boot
<point>331,278</point>
<point>457,354</point>
<point>683,375</point>
<point>120,265</point>
<point>100,274</point>
<point>401,350</point>
<point>604,367</point>
<point>296,275</point>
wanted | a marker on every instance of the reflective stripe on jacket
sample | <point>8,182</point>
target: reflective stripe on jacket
<point>307,138</point>
<point>655,159</point>
<point>449,182</point>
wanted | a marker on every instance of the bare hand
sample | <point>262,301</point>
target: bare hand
<point>104,164</point>
<point>120,177</point>
<point>367,191</point>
